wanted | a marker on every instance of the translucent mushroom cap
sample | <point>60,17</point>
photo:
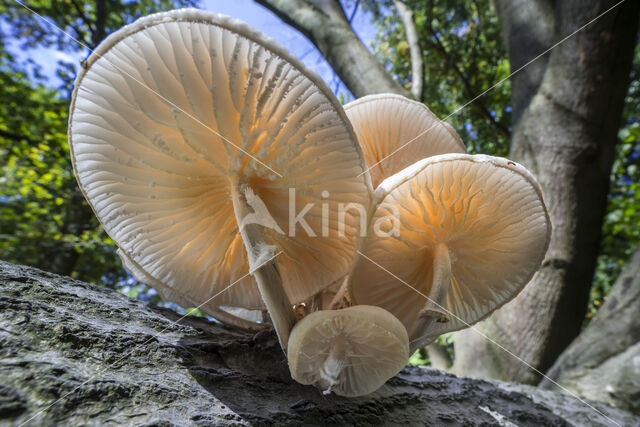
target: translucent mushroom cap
<point>351,352</point>
<point>395,132</point>
<point>489,213</point>
<point>173,110</point>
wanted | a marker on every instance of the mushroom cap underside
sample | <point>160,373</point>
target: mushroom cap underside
<point>394,132</point>
<point>490,214</point>
<point>171,111</point>
<point>351,352</point>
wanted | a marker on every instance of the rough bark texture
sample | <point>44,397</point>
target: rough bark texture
<point>566,135</point>
<point>324,23</point>
<point>603,363</point>
<point>73,353</point>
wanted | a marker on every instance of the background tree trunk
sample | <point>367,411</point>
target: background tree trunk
<point>566,136</point>
<point>89,355</point>
<point>602,363</point>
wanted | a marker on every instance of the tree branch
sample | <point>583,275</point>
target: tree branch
<point>354,11</point>
<point>80,35</point>
<point>417,61</point>
<point>84,17</point>
<point>324,23</point>
<point>101,16</point>
<point>440,47</point>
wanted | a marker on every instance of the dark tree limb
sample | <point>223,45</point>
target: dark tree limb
<point>83,16</point>
<point>100,24</point>
<point>354,11</point>
<point>80,34</point>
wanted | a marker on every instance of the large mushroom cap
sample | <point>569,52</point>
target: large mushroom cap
<point>395,132</point>
<point>351,352</point>
<point>485,213</point>
<point>173,110</point>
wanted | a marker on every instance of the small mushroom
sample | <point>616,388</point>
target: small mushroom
<point>395,132</point>
<point>350,352</point>
<point>195,140</point>
<point>473,230</point>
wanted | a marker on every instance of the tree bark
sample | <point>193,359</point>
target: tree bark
<point>527,28</point>
<point>324,23</point>
<point>601,364</point>
<point>73,353</point>
<point>566,136</point>
<point>100,24</point>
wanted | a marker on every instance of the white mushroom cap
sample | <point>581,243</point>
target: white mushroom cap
<point>488,216</point>
<point>351,352</point>
<point>395,132</point>
<point>170,112</point>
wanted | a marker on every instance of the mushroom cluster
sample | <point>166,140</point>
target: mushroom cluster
<point>231,179</point>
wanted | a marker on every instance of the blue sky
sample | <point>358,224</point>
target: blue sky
<point>246,10</point>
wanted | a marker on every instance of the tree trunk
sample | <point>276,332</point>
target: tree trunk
<point>566,135</point>
<point>73,353</point>
<point>527,28</point>
<point>602,363</point>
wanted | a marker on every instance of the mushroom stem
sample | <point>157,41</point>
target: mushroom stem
<point>332,366</point>
<point>341,298</point>
<point>263,267</point>
<point>432,311</point>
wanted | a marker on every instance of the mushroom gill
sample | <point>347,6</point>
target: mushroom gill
<point>193,137</point>
<point>473,229</point>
